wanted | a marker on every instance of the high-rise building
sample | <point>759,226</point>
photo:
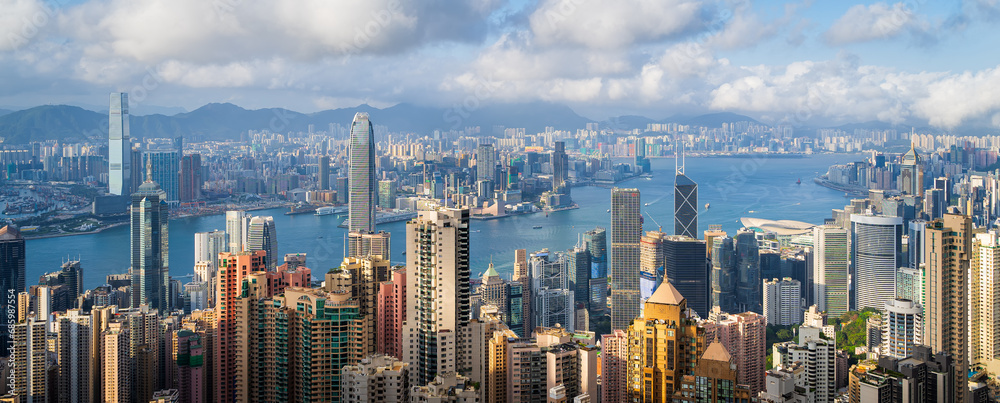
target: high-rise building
<point>724,273</point>
<point>324,172</point>
<point>877,253</point>
<point>748,282</point>
<point>387,194</point>
<point>12,257</point>
<point>486,162</point>
<point>578,266</point>
<point>119,146</point>
<point>902,327</point>
<point>237,227</point>
<point>783,301</point>
<point>650,263</point>
<point>915,240</point>
<point>626,232</point>
<point>74,337</point>
<point>190,178</point>
<point>207,247</point>
<point>560,168</point>
<point>437,284</point>
<point>190,359</point>
<point>261,235</point>
<point>364,274</point>
<point>595,242</point>
<point>552,298</point>
<point>614,366</point>
<point>984,298</point>
<point>910,284</point>
<point>817,354</point>
<point>947,249</point>
<point>377,378</point>
<point>390,314</point>
<point>30,376</point>
<point>362,244</point>
<point>654,375</point>
<point>714,379</point>
<point>685,202</point>
<point>361,174</point>
<point>233,269</point>
<point>523,278</point>
<point>150,269</point>
<point>743,336</point>
<point>166,166</point>
<point>911,174</point>
<point>831,259</point>
<point>685,266</point>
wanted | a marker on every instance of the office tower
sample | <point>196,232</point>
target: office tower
<point>934,204</point>
<point>817,354</point>
<point>387,194</point>
<point>685,266</point>
<point>560,168</point>
<point>361,174</point>
<point>30,375</point>
<point>523,277</point>
<point>343,193</point>
<point>390,314</point>
<point>324,172</point>
<point>831,258</point>
<point>237,227</point>
<point>378,378</point>
<point>782,301</point>
<point>486,161</point>
<point>724,273</point>
<point>650,263</point>
<point>595,242</point>
<point>742,335</point>
<point>685,202</point>
<point>984,298</point>
<point>207,247</point>
<point>261,235</point>
<point>12,257</point>
<point>150,269</point>
<point>190,178</point>
<point>437,297</point>
<point>748,282</point>
<point>641,162</point>
<point>553,299</point>
<point>666,321</point>
<point>626,231</point>
<point>877,253</point>
<point>947,248</point>
<point>714,379</point>
<point>233,268</point>
<point>494,291</point>
<point>74,334</point>
<point>614,366</point>
<point>365,276</point>
<point>164,167</point>
<point>578,264</point>
<point>910,284</point>
<point>902,327</point>
<point>119,146</point>
<point>362,244</point>
<point>911,174</point>
<point>915,241</point>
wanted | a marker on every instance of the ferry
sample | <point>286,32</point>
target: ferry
<point>537,227</point>
<point>707,205</point>
<point>331,210</point>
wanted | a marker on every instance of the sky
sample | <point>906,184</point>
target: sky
<point>916,62</point>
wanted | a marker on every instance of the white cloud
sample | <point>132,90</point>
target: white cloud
<point>867,23</point>
<point>614,24</point>
<point>22,22</point>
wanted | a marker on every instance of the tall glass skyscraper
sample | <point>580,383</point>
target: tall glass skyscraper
<point>595,242</point>
<point>877,254</point>
<point>166,166</point>
<point>119,146</point>
<point>626,232</point>
<point>486,162</point>
<point>361,176</point>
<point>724,274</point>
<point>685,203</point>
<point>12,255</point>
<point>749,288</point>
<point>831,258</point>
<point>261,235</point>
<point>150,269</point>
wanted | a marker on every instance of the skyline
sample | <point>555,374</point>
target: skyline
<point>909,62</point>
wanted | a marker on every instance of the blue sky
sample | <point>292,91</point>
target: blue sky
<point>914,62</point>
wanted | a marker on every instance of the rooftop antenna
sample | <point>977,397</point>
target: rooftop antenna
<point>679,156</point>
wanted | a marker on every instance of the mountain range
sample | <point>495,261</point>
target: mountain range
<point>225,121</point>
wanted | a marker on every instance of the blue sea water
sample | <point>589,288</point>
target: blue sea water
<point>734,187</point>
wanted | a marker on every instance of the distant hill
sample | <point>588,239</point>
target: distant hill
<point>50,122</point>
<point>715,119</point>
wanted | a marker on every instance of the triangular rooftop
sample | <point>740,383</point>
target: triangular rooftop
<point>9,232</point>
<point>716,352</point>
<point>666,294</point>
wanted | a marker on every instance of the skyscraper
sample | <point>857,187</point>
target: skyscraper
<point>150,269</point>
<point>902,327</point>
<point>782,302</point>
<point>877,253</point>
<point>74,333</point>
<point>361,174</point>
<point>324,172</point>
<point>237,223</point>
<point>190,178</point>
<point>947,248</point>
<point>12,256</point>
<point>911,175</point>
<point>984,290</point>
<point>119,146</point>
<point>486,161</point>
<point>748,282</point>
<point>831,258</point>
<point>437,296</point>
<point>724,273</point>
<point>685,202</point>
<point>685,266</point>
<point>560,168</point>
<point>165,167</point>
<point>263,236</point>
<point>362,244</point>
<point>523,278</point>
<point>595,242</point>
<point>207,247</point>
<point>626,231</point>
<point>233,269</point>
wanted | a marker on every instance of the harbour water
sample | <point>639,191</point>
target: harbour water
<point>734,187</point>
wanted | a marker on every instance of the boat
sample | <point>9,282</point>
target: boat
<point>707,205</point>
<point>331,210</point>
<point>300,209</point>
<point>537,227</point>
<point>798,182</point>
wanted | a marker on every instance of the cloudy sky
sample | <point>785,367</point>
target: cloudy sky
<point>912,62</point>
